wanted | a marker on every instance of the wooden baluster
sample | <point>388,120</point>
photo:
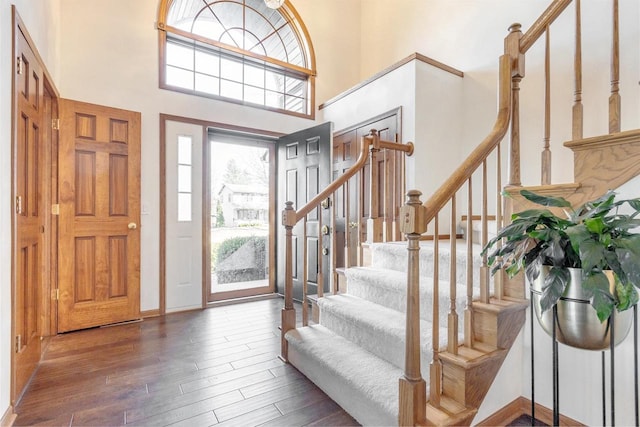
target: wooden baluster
<point>374,226</point>
<point>288,319</point>
<point>413,393</point>
<point>614,99</point>
<point>484,269</point>
<point>512,48</point>
<point>546,153</point>
<point>577,125</point>
<point>452,325</point>
<point>468,310</point>
<point>435,369</point>
<point>321,255</point>
<point>498,289</point>
<point>388,194</point>
<point>305,274</point>
<point>332,250</point>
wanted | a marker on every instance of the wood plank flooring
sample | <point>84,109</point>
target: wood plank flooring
<point>217,366</point>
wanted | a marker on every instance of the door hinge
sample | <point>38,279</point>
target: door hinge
<point>55,124</point>
<point>55,209</point>
<point>19,65</point>
<point>19,205</point>
<point>55,294</point>
<point>18,343</point>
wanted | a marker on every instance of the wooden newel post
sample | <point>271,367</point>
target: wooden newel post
<point>413,394</point>
<point>288,312</point>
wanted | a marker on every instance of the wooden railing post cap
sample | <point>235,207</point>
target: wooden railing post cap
<point>289,215</point>
<point>515,27</point>
<point>413,214</point>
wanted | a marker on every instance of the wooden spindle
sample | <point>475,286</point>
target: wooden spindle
<point>546,152</point>
<point>452,324</point>
<point>374,224</point>
<point>388,194</point>
<point>614,99</point>
<point>288,319</point>
<point>484,270</point>
<point>413,393</point>
<point>435,369</point>
<point>305,270</point>
<point>320,254</point>
<point>468,310</point>
<point>498,290</point>
<point>577,122</point>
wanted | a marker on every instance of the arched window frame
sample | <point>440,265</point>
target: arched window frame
<point>288,12</point>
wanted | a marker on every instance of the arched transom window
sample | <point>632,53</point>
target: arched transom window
<point>237,50</point>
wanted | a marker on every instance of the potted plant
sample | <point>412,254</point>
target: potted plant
<point>595,244</point>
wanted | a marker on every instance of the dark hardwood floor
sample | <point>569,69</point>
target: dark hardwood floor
<point>217,366</point>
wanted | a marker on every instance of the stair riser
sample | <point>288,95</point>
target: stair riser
<point>469,386</point>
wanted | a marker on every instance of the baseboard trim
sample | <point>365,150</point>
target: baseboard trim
<point>522,406</point>
<point>150,313</point>
<point>8,418</point>
<point>241,300</point>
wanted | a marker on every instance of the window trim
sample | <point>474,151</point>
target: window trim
<point>300,30</point>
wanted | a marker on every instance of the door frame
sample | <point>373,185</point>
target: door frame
<point>206,200</point>
<point>47,304</point>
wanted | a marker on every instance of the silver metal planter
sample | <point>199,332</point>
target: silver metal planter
<point>578,324</point>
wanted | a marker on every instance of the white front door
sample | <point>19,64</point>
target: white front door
<point>183,246</point>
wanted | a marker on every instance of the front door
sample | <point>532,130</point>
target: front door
<point>304,170</point>
<point>29,190</point>
<point>99,243</point>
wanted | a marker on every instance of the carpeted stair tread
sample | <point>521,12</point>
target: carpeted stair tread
<point>366,386</point>
<point>388,288</point>
<point>393,256</point>
<point>378,329</point>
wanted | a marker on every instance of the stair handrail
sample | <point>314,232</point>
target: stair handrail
<point>367,141</point>
<point>290,217</point>
<point>442,195</point>
<point>552,12</point>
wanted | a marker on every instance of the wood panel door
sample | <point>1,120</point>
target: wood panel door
<point>345,152</point>
<point>99,244</point>
<point>304,169</point>
<point>29,188</point>
<point>352,200</point>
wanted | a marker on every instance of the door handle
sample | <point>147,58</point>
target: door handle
<point>132,226</point>
<point>353,225</point>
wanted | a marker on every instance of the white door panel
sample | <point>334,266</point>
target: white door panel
<point>183,216</point>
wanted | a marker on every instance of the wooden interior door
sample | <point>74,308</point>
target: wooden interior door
<point>345,153</point>
<point>99,244</point>
<point>29,188</point>
<point>304,169</point>
<point>352,200</point>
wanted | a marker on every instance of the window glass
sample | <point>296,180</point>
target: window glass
<point>185,160</point>
<point>235,49</point>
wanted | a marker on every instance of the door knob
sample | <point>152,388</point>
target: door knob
<point>353,224</point>
<point>132,226</point>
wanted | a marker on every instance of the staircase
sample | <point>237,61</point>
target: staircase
<point>356,352</point>
<point>422,329</point>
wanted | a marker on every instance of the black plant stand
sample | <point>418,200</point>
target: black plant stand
<point>556,383</point>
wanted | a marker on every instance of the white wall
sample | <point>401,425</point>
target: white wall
<point>43,27</point>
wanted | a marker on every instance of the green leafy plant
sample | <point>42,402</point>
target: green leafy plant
<point>594,237</point>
